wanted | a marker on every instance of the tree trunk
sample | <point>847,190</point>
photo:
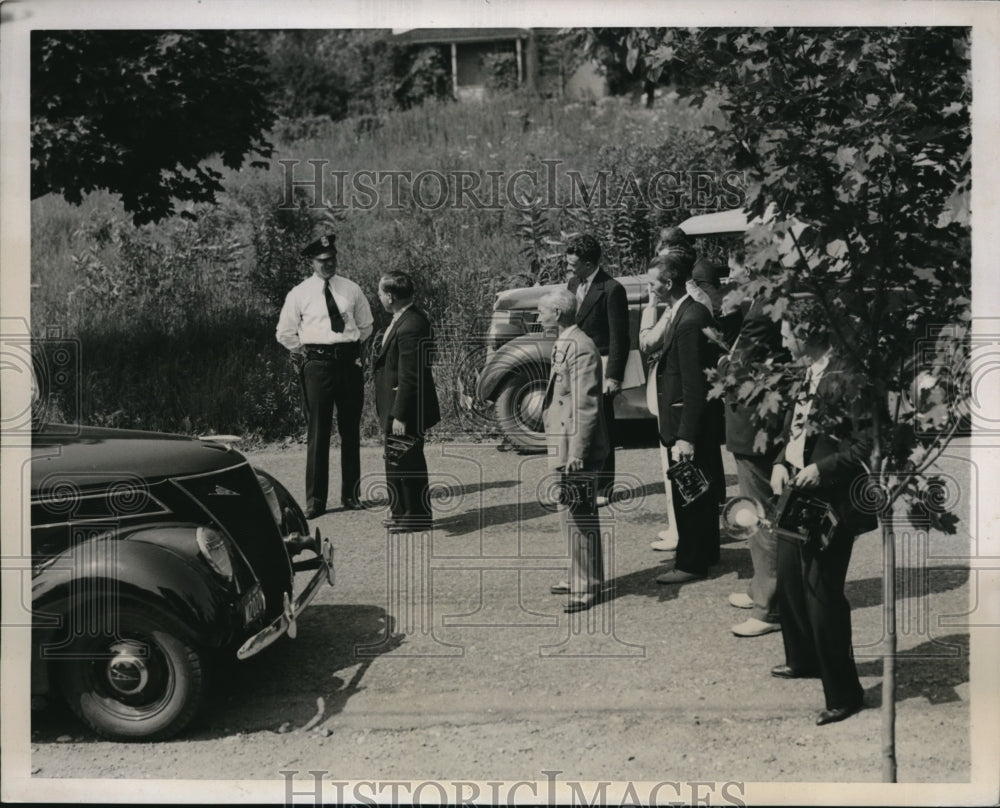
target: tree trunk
<point>889,651</point>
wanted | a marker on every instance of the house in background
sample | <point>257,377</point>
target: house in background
<point>469,46</point>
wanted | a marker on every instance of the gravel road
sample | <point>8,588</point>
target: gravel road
<point>448,657</point>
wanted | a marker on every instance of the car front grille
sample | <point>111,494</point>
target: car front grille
<point>236,503</point>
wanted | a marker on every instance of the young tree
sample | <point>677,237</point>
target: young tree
<point>856,143</point>
<point>138,113</point>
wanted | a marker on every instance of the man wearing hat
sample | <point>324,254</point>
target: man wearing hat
<point>323,323</point>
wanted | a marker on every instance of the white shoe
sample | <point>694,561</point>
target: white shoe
<point>752,627</point>
<point>667,541</point>
<point>741,600</point>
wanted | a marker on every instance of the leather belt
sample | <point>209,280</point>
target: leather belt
<point>338,351</point>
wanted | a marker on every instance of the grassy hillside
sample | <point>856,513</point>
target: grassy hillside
<point>174,322</point>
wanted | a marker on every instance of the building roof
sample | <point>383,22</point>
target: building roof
<point>428,36</point>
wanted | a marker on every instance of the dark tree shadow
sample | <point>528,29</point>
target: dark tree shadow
<point>643,582</point>
<point>492,515</point>
<point>911,582</point>
<point>932,671</point>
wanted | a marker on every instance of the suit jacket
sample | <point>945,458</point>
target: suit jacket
<point>758,338</point>
<point>681,386</point>
<point>838,453</point>
<point>404,386</point>
<point>573,412</point>
<point>603,316</point>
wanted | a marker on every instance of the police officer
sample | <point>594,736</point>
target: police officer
<point>323,323</point>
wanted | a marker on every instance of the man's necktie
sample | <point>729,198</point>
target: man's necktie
<point>336,318</point>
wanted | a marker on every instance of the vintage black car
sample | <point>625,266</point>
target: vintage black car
<point>154,558</point>
<point>516,369</point>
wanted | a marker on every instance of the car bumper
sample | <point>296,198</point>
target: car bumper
<point>285,622</point>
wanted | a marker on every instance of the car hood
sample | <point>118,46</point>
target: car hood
<point>95,456</point>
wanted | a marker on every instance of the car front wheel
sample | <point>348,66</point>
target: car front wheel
<point>519,411</point>
<point>145,683</point>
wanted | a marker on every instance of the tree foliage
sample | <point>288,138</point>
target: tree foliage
<point>346,73</point>
<point>139,112</point>
<point>856,145</point>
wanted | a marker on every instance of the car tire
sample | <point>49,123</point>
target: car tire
<point>145,683</point>
<point>519,411</point>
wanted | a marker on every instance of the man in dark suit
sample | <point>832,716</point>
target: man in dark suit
<point>690,425</point>
<point>406,402</point>
<point>602,314</point>
<point>577,443</point>
<point>827,442</point>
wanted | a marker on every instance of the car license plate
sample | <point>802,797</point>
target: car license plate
<point>253,604</point>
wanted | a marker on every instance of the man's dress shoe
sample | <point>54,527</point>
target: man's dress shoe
<point>352,504</point>
<point>315,510</point>
<point>581,604</point>
<point>837,714</point>
<point>561,588</point>
<point>676,576</point>
<point>410,526</point>
<point>785,672</point>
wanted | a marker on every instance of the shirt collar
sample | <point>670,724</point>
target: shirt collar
<point>677,303</point>
<point>590,278</point>
<point>817,367</point>
<point>399,313</point>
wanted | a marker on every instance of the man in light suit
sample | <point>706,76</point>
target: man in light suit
<point>406,402</point>
<point>577,439</point>
<point>690,425</point>
<point>602,314</point>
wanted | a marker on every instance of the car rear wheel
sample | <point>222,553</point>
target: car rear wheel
<point>519,411</point>
<point>145,683</point>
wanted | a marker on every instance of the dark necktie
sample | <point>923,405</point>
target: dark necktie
<point>336,318</point>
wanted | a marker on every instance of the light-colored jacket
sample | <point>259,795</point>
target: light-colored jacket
<point>573,412</point>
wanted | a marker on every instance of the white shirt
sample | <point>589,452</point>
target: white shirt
<point>650,334</point>
<point>698,294</point>
<point>795,451</point>
<point>581,290</point>
<point>304,319</point>
<point>395,317</point>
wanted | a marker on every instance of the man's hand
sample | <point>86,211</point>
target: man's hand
<point>682,450</point>
<point>612,387</point>
<point>779,479</point>
<point>398,427</point>
<point>574,464</point>
<point>808,477</point>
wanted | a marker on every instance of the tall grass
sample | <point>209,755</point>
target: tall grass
<point>175,322</point>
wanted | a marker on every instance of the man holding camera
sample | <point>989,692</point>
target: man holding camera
<point>577,439</point>
<point>826,446</point>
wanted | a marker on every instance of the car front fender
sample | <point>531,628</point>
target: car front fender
<point>156,566</point>
<point>529,353</point>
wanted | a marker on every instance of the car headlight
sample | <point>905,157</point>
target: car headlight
<point>215,551</point>
<point>272,498</point>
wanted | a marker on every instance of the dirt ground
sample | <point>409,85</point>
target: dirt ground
<point>447,657</point>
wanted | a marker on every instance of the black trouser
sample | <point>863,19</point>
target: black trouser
<point>333,381</point>
<point>816,616</point>
<point>698,522</point>
<point>409,498</point>
<point>606,474</point>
